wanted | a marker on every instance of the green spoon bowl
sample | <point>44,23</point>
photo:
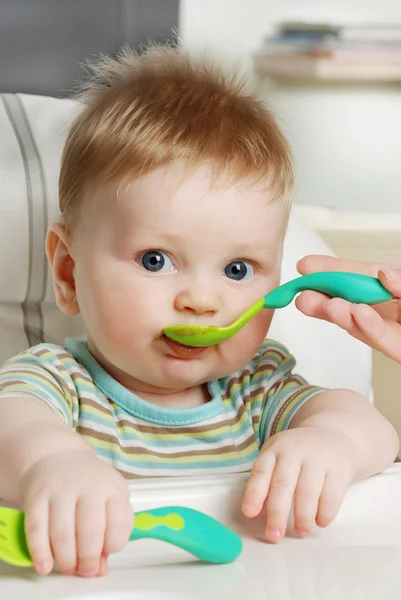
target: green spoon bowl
<point>353,287</point>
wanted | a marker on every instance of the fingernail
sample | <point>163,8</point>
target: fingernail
<point>249,508</point>
<point>273,533</point>
<point>302,532</point>
<point>392,274</point>
<point>44,567</point>
<point>102,569</point>
<point>87,572</point>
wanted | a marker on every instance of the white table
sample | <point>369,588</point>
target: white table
<point>357,558</point>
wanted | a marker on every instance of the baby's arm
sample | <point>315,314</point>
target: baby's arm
<point>335,438</point>
<point>77,507</point>
<point>352,415</point>
<point>29,432</point>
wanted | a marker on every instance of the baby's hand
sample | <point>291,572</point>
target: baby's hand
<point>77,511</point>
<point>313,466</point>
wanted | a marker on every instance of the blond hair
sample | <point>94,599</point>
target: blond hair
<point>141,112</point>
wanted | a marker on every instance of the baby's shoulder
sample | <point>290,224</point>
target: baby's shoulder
<point>42,355</point>
<point>47,351</point>
<point>271,362</point>
<point>272,355</point>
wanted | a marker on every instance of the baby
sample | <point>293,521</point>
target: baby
<point>175,190</point>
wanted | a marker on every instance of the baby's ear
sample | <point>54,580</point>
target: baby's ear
<point>58,245</point>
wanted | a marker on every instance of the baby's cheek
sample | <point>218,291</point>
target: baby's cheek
<point>258,329</point>
<point>261,324</point>
<point>113,318</point>
<point>122,326</point>
<point>248,340</point>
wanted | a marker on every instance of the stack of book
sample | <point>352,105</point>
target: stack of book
<point>326,50</point>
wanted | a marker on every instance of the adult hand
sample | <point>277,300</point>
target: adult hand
<point>378,326</point>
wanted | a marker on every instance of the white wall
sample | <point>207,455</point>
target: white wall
<point>346,140</point>
<point>239,25</point>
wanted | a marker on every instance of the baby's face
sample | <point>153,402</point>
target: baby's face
<point>172,251</point>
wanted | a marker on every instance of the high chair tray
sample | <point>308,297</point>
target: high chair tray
<point>357,558</point>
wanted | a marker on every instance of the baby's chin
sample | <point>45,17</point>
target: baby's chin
<point>168,373</point>
<point>189,376</point>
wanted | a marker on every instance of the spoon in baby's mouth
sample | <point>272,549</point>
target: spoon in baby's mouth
<point>353,287</point>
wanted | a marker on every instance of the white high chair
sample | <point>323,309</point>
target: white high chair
<point>32,130</point>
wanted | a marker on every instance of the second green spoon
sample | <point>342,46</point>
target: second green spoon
<point>189,529</point>
<point>353,287</point>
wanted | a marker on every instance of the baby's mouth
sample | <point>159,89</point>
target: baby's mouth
<point>182,351</point>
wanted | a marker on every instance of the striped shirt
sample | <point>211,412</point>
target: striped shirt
<point>141,439</point>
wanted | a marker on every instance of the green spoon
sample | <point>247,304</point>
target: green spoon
<point>353,287</point>
<point>189,529</point>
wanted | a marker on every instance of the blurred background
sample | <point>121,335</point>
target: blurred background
<point>334,71</point>
<point>335,68</point>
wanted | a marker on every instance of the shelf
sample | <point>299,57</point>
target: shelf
<point>321,69</point>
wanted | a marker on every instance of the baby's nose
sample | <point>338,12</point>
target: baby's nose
<point>197,301</point>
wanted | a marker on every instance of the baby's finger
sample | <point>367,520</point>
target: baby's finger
<point>331,498</point>
<point>37,535</point>
<point>62,534</point>
<point>90,528</point>
<point>279,499</point>
<point>258,484</point>
<point>379,334</point>
<point>119,523</point>
<point>102,566</point>
<point>306,501</point>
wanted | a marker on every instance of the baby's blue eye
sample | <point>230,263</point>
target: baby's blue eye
<point>239,270</point>
<point>155,260</point>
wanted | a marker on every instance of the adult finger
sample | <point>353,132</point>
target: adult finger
<point>333,310</point>
<point>312,304</point>
<point>378,326</point>
<point>340,312</point>
<point>379,334</point>
<point>319,306</point>
<point>391,279</point>
<point>320,262</point>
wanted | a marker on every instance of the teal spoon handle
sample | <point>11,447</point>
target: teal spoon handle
<point>353,287</point>
<point>189,529</point>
